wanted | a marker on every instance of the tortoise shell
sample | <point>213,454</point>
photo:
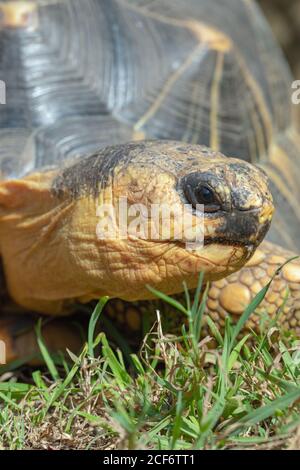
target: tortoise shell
<point>200,71</point>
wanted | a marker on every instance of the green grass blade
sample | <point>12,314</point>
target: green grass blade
<point>45,353</point>
<point>93,322</point>
<point>214,331</point>
<point>118,338</point>
<point>254,304</point>
<point>248,311</point>
<point>197,295</point>
<point>174,303</point>
<point>268,410</point>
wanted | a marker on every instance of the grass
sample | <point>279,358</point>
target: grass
<point>177,393</point>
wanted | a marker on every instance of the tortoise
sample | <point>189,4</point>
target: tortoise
<point>169,101</point>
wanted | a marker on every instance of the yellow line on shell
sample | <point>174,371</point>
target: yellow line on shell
<point>257,95</point>
<point>215,101</point>
<point>167,87</point>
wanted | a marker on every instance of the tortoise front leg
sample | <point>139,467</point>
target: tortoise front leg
<point>17,335</point>
<point>233,294</point>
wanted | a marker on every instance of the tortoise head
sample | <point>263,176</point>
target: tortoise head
<point>167,211</point>
<point>144,213</point>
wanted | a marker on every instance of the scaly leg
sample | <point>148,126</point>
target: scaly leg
<point>233,294</point>
<point>229,296</point>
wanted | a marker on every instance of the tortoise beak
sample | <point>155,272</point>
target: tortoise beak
<point>245,228</point>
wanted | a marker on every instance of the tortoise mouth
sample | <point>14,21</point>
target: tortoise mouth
<point>248,242</point>
<point>227,242</point>
<point>248,245</point>
<point>248,248</point>
<point>242,228</point>
<point>215,260</point>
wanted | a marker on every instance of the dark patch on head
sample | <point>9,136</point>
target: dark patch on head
<point>240,168</point>
<point>91,174</point>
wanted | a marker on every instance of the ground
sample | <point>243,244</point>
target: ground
<point>218,392</point>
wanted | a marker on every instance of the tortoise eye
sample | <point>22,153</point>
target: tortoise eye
<point>204,195</point>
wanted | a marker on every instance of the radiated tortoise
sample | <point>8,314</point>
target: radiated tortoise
<point>141,99</point>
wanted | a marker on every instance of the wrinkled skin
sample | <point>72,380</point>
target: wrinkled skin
<point>48,224</point>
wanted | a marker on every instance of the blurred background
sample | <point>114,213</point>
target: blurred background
<point>284,16</point>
